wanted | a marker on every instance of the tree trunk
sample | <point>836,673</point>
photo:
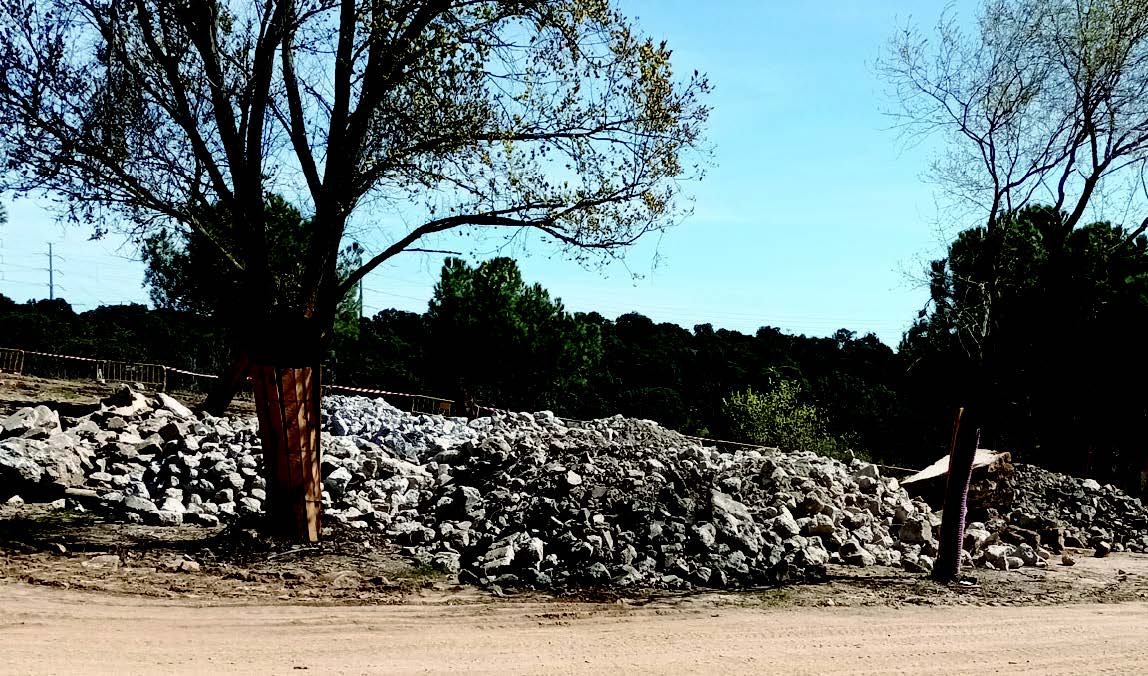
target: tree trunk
<point>287,402</point>
<point>226,385</point>
<point>962,453</point>
<point>469,405</point>
<point>1144,480</point>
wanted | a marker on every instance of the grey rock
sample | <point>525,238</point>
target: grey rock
<point>38,422</point>
<point>975,538</point>
<point>103,562</point>
<point>86,429</point>
<point>491,499</point>
<point>785,525</point>
<point>854,554</point>
<point>916,530</point>
<point>202,519</point>
<point>706,535</point>
<point>234,480</point>
<point>815,555</point>
<point>33,462</point>
<point>167,402</point>
<point>450,562</point>
<point>734,521</point>
<point>172,431</point>
<point>18,462</point>
<point>172,505</point>
<point>137,504</point>
<point>100,478</point>
<point>467,503</point>
<point>530,554</point>
<point>126,403</point>
<point>167,517</point>
<point>997,555</point>
<point>912,564</point>
<point>336,482</point>
<point>498,559</point>
<point>821,524</point>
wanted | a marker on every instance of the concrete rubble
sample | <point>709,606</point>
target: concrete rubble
<point>532,501</point>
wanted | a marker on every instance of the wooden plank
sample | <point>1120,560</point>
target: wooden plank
<point>309,447</point>
<point>301,376</point>
<point>317,441</point>
<point>282,477</point>
<point>291,404</point>
<point>306,418</point>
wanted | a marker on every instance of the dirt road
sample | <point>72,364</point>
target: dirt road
<point>54,631</point>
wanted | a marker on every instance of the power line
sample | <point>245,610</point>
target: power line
<point>52,272</point>
<point>396,295</point>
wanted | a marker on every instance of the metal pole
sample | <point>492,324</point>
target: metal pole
<point>51,274</point>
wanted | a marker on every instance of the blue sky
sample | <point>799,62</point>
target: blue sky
<point>814,217</point>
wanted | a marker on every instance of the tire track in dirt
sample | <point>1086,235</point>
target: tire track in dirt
<point>55,631</point>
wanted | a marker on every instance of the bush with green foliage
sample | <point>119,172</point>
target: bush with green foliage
<point>780,418</point>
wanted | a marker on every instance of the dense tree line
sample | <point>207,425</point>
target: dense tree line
<point>131,333</point>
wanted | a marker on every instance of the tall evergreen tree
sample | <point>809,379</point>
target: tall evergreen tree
<point>503,342</point>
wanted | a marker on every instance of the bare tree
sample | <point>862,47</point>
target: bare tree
<point>549,115</point>
<point>1046,101</point>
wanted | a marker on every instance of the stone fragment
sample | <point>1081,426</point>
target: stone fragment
<point>169,403</point>
<point>103,562</point>
<point>135,503</point>
<point>854,554</point>
<point>337,481</point>
<point>39,422</point>
<point>916,529</point>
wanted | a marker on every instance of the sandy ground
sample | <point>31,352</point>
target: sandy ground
<point>55,631</point>
<point>79,397</point>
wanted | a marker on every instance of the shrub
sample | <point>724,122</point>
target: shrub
<point>779,418</point>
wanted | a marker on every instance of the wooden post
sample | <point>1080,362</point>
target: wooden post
<point>962,453</point>
<point>287,403</point>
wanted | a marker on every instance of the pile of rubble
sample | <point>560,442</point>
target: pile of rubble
<point>145,456</point>
<point>531,500</point>
<point>1078,512</point>
<point>518,500</point>
<point>1053,511</point>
